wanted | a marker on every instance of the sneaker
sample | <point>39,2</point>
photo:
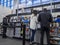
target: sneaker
<point>30,43</point>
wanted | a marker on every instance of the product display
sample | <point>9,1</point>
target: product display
<point>17,26</point>
<point>55,33</point>
<point>26,21</point>
<point>17,32</point>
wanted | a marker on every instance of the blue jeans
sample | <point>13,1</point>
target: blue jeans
<point>33,34</point>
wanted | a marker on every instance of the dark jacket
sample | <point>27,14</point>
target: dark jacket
<point>5,22</point>
<point>45,18</point>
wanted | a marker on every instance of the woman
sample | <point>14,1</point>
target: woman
<point>33,24</point>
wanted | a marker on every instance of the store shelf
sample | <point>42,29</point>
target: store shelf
<point>17,26</point>
<point>58,39</point>
<point>54,44</point>
<point>54,35</point>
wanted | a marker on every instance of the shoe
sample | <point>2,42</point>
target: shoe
<point>4,36</point>
<point>30,43</point>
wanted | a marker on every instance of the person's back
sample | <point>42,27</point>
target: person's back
<point>33,22</point>
<point>45,18</point>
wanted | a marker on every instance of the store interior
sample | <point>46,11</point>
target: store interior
<point>20,12</point>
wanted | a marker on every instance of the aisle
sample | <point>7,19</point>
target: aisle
<point>8,41</point>
<point>11,41</point>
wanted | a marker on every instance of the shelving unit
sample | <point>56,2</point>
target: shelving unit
<point>55,33</point>
<point>17,31</point>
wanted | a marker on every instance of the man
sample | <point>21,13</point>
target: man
<point>4,27</point>
<point>45,18</point>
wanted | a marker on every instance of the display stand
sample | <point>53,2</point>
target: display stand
<point>55,34</point>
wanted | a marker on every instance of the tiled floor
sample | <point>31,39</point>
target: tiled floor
<point>8,41</point>
<point>11,41</point>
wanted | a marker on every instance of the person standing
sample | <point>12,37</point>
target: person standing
<point>45,18</point>
<point>33,24</point>
<point>4,27</point>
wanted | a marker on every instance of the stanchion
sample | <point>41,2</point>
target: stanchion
<point>24,27</point>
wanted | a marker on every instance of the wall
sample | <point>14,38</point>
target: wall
<point>3,12</point>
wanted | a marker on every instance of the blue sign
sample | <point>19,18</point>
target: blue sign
<point>58,20</point>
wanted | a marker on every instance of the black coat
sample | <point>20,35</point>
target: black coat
<point>45,18</point>
<point>5,23</point>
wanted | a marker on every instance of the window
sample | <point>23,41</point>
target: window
<point>45,0</point>
<point>22,1</point>
<point>29,3</point>
<point>36,2</point>
<point>0,2</point>
<point>5,0</point>
<point>55,0</point>
<point>6,3</point>
<point>8,0</point>
<point>11,2</point>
